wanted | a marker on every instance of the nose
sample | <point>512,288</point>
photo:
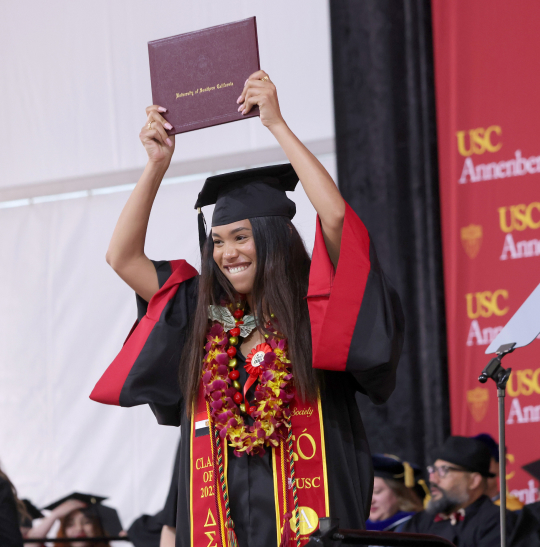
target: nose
<point>230,251</point>
<point>434,477</point>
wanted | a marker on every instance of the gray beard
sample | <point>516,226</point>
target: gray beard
<point>446,504</point>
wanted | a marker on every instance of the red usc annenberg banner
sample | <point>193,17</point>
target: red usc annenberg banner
<point>488,113</point>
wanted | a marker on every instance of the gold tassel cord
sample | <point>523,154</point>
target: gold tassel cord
<point>409,475</point>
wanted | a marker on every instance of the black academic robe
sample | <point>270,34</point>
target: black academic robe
<point>527,529</point>
<point>10,533</point>
<point>479,528</point>
<point>357,335</point>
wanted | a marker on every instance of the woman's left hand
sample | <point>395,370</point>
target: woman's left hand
<point>259,90</point>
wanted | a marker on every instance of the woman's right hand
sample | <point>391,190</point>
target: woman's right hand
<point>67,507</point>
<point>159,146</point>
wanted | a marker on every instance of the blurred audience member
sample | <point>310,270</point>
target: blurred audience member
<point>11,511</point>
<point>26,521</point>
<point>79,524</point>
<point>492,490</point>
<point>41,529</point>
<point>394,501</point>
<point>81,516</point>
<point>459,510</point>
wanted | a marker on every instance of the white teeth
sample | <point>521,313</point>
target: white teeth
<point>237,269</point>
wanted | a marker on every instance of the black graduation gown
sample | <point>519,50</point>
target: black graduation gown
<point>479,528</point>
<point>527,529</point>
<point>357,335</point>
<point>10,533</point>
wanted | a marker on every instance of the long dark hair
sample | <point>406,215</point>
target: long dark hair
<point>280,287</point>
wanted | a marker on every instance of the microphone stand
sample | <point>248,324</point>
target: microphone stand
<point>500,376</point>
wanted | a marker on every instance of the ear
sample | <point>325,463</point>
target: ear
<point>475,481</point>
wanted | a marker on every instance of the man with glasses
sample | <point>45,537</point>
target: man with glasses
<point>459,510</point>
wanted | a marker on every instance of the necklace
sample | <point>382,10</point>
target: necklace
<point>267,363</point>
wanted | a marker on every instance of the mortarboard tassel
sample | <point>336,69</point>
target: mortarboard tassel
<point>409,475</point>
<point>202,228</point>
<point>426,490</point>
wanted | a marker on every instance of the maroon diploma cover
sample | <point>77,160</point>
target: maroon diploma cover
<point>198,76</point>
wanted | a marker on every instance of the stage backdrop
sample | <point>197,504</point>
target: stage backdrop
<point>487,90</point>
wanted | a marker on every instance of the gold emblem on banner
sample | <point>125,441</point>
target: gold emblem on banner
<point>478,399</point>
<point>471,239</point>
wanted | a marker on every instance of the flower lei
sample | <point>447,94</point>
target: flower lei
<point>222,390</point>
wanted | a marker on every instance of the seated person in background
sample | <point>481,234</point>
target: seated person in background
<point>27,520</point>
<point>459,510</point>
<point>81,516</point>
<point>394,501</point>
<point>80,524</point>
<point>11,511</point>
<point>492,491</point>
<point>41,529</point>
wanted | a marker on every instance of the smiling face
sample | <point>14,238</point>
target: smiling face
<point>78,525</point>
<point>235,254</point>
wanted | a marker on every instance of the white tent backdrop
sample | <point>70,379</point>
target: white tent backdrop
<point>74,86</point>
<point>75,80</point>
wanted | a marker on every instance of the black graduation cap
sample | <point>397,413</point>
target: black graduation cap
<point>32,510</point>
<point>110,521</point>
<point>533,469</point>
<point>247,194</point>
<point>388,466</point>
<point>491,443</point>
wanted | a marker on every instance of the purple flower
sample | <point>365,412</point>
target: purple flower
<point>207,377</point>
<point>215,395</point>
<point>222,370</point>
<point>217,405</point>
<point>267,375</point>
<point>222,359</point>
<point>218,385</point>
<point>269,357</point>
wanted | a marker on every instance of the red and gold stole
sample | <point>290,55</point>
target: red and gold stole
<point>301,489</point>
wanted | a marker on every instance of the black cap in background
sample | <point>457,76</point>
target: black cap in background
<point>388,466</point>
<point>32,510</point>
<point>533,469</point>
<point>471,454</point>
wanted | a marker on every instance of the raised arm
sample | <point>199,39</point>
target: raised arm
<point>318,184</point>
<point>126,248</point>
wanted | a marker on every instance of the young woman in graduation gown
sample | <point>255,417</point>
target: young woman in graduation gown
<point>258,358</point>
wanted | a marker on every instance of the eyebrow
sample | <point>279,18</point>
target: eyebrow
<point>232,232</point>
